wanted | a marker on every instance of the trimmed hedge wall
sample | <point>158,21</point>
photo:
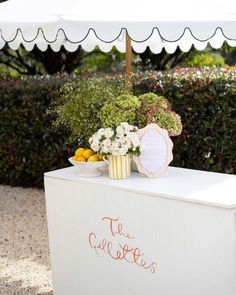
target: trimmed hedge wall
<point>205,99</point>
<point>28,145</point>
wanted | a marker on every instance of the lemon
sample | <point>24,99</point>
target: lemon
<point>74,158</point>
<point>93,158</point>
<point>81,159</point>
<point>100,157</point>
<point>87,153</point>
<point>79,152</point>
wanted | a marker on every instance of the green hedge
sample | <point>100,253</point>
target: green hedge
<point>205,99</point>
<point>28,145</point>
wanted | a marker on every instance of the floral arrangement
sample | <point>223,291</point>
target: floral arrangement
<point>120,109</point>
<point>117,141</point>
<point>140,111</point>
<point>148,101</point>
<point>166,119</point>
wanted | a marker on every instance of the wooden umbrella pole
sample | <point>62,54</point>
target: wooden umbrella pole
<point>128,62</point>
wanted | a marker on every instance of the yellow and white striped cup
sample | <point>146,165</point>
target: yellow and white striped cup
<point>119,166</point>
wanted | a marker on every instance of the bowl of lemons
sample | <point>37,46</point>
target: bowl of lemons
<point>89,164</point>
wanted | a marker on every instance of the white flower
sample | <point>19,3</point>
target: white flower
<point>120,151</point>
<point>119,131</point>
<point>96,140</point>
<point>122,140</point>
<point>135,142</point>
<point>115,144</point>
<point>106,143</point>
<point>125,140</point>
<point>115,152</point>
<point>105,150</point>
<point>96,137</point>
<point>95,147</point>
<point>101,132</point>
<point>123,150</point>
<point>108,133</point>
<point>91,139</point>
<point>128,143</point>
<point>133,138</point>
<point>131,135</point>
<point>127,127</point>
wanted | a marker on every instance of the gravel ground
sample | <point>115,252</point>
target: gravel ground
<point>24,253</point>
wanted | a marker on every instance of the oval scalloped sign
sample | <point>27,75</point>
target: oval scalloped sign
<point>156,151</point>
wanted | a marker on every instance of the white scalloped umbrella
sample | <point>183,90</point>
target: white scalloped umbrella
<point>123,24</point>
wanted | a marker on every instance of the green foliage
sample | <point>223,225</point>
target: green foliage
<point>35,62</point>
<point>228,53</point>
<point>22,62</point>
<point>98,61</point>
<point>161,61</point>
<point>204,59</point>
<point>80,103</point>
<point>205,100</point>
<point>28,145</point>
<point>120,109</point>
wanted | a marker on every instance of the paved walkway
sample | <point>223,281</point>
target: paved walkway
<point>24,253</point>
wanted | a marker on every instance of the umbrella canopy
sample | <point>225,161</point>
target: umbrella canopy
<point>104,23</point>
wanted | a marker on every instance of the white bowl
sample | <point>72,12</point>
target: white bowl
<point>88,169</point>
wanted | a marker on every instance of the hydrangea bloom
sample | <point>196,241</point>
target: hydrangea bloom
<point>157,109</point>
<point>121,109</point>
<point>166,119</point>
<point>149,100</point>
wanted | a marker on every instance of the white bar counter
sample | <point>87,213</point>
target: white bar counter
<point>174,235</point>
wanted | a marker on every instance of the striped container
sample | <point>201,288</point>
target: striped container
<point>119,166</point>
